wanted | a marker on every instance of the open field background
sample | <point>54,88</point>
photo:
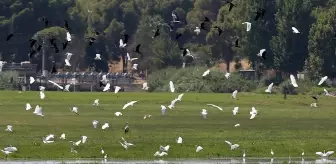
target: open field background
<point>286,126</point>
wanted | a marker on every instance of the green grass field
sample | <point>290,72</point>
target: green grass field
<point>286,126</point>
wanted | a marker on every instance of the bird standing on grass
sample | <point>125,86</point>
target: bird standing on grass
<point>126,128</point>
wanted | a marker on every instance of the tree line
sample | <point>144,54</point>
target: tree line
<point>313,50</point>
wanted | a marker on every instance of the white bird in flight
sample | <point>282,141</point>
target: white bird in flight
<point>269,88</point>
<point>42,88</point>
<point>179,97</point>
<point>38,111</point>
<point>122,44</point>
<point>160,154</point>
<point>67,59</point>
<point>234,94</point>
<point>215,106</point>
<point>253,113</point>
<point>98,57</point>
<point>248,26</point>
<point>145,86</point>
<point>129,104</point>
<point>272,153</point>
<point>129,58</point>
<point>67,87</point>
<point>179,140</point>
<point>232,146</point>
<point>135,67</point>
<point>235,110</point>
<point>147,116</point>
<point>42,95</point>
<point>163,109</point>
<point>106,125</point>
<point>172,103</point>
<point>313,105</point>
<point>126,143</point>
<point>262,54</point>
<point>293,81</point>
<point>57,85</point>
<point>74,109</point>
<point>84,138</point>
<point>96,102</point>
<point>324,154</point>
<point>62,136</point>
<point>107,87</point>
<point>295,30</point>
<point>227,75</point>
<point>9,128</point>
<point>197,30</point>
<point>116,89</point>
<point>199,148</point>
<point>118,114</point>
<point>68,36</point>
<point>171,86</point>
<point>28,106</point>
<point>323,79</point>
<point>94,123</point>
<point>237,125</point>
<point>204,113</point>
<point>31,80</point>
<point>206,73</point>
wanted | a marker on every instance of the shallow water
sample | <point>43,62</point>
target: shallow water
<point>213,161</point>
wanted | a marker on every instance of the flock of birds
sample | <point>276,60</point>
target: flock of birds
<point>123,42</point>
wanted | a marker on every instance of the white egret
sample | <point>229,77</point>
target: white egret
<point>324,154</point>
<point>67,59</point>
<point>68,37</point>
<point>94,123</point>
<point>199,148</point>
<point>116,89</point>
<point>31,80</point>
<point>122,44</point>
<point>269,88</point>
<point>84,138</point>
<point>323,79</point>
<point>9,128</point>
<point>62,136</point>
<point>74,109</point>
<point>248,26</point>
<point>42,88</point>
<point>124,145</point>
<point>76,143</point>
<point>129,57</point>
<point>197,30</point>
<point>160,154</point>
<point>49,136</point>
<point>302,154</point>
<point>38,111</point>
<point>28,106</point>
<point>164,148</point>
<point>105,126</point>
<point>313,105</point>
<point>163,109</point>
<point>67,87</point>
<point>1,65</point>
<point>227,75</point>
<point>104,79</point>
<point>204,113</point>
<point>147,116</point>
<point>206,72</point>
<point>127,143</point>
<point>129,104</point>
<point>253,113</point>
<point>97,57</point>
<point>172,104</point>
<point>145,86</point>
<point>135,67</point>
<point>262,54</point>
<point>244,154</point>
<point>235,110</point>
<point>215,106</point>
<point>102,150</point>
<point>272,153</point>
<point>72,150</point>
<point>118,113</point>
<point>171,86</point>
<point>293,81</point>
<point>96,102</point>
<point>10,148</point>
<point>107,87</point>
<point>6,152</point>
<point>42,95</point>
<point>234,94</point>
<point>232,146</point>
<point>179,140</point>
<point>126,129</point>
<point>237,125</point>
<point>179,97</point>
<point>295,30</point>
<point>57,85</point>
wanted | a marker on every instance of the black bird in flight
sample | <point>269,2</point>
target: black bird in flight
<point>206,19</point>
<point>9,36</point>
<point>157,32</point>
<point>260,13</point>
<point>101,84</point>
<point>32,42</point>
<point>39,47</point>
<point>137,49</point>
<point>231,6</point>
<point>32,52</point>
<point>315,98</point>
<point>177,35</point>
<point>219,30</point>
<point>237,43</point>
<point>202,26</point>
<point>91,40</point>
<point>53,69</point>
<point>66,25</point>
<point>46,21</point>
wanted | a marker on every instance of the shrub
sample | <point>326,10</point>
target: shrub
<point>9,80</point>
